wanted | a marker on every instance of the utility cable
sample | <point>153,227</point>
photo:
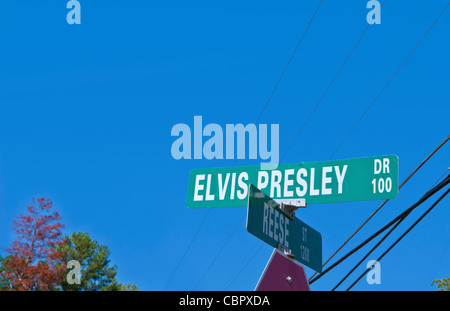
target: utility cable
<point>382,204</point>
<point>392,222</point>
<point>187,249</point>
<point>218,254</point>
<point>368,253</point>
<point>267,103</point>
<point>389,81</point>
<point>290,59</point>
<point>326,90</point>
<point>404,234</point>
<point>245,266</point>
<point>377,245</point>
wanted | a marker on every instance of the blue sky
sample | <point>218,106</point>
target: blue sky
<point>86,113</point>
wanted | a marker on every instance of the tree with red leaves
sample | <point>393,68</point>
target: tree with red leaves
<point>34,261</point>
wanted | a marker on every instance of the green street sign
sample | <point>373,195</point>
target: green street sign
<point>360,179</point>
<point>266,221</point>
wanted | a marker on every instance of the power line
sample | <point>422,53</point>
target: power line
<point>406,180</point>
<point>389,81</point>
<point>368,253</point>
<point>313,111</point>
<point>448,169</point>
<point>375,77</point>
<point>328,87</point>
<point>231,277</point>
<point>245,266</point>
<point>377,245</point>
<point>425,197</point>
<point>187,249</point>
<point>262,112</point>
<point>287,65</point>
<point>404,234</point>
<point>382,204</point>
<point>218,254</point>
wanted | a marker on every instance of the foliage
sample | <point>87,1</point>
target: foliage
<point>128,287</point>
<point>33,260</point>
<point>4,285</point>
<point>37,259</point>
<point>442,284</point>
<point>96,271</point>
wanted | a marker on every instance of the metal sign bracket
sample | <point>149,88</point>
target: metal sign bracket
<point>289,206</point>
<point>286,251</point>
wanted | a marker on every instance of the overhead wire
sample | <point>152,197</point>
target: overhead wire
<point>389,81</point>
<point>264,108</point>
<point>378,244</point>
<point>273,91</point>
<point>244,266</point>
<point>403,235</point>
<point>217,255</point>
<point>257,121</point>
<point>290,59</point>
<point>326,90</point>
<point>375,77</point>
<point>385,201</point>
<point>425,197</point>
<point>187,249</point>
<point>378,95</point>
<point>395,73</point>
<point>368,253</point>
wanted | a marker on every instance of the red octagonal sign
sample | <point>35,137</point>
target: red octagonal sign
<point>282,274</point>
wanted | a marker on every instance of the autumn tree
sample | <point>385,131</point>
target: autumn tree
<point>96,271</point>
<point>33,259</point>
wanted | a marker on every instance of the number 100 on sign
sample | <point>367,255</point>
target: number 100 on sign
<point>380,183</point>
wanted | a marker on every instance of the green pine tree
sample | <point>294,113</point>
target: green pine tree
<point>4,284</point>
<point>96,272</point>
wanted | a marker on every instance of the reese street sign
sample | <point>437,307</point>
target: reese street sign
<point>360,179</point>
<point>266,221</point>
